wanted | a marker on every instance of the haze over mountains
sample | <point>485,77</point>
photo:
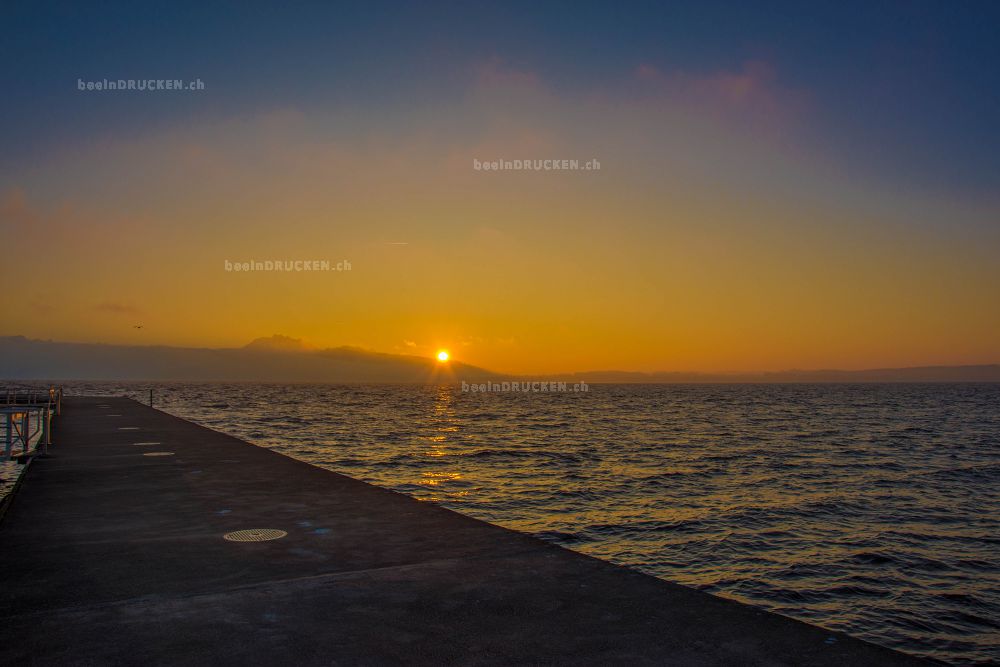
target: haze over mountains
<point>284,359</point>
<point>275,359</point>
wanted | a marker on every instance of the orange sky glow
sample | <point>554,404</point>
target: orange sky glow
<point>712,238</point>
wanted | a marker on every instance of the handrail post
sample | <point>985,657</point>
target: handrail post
<point>47,429</point>
<point>9,444</point>
<point>25,431</point>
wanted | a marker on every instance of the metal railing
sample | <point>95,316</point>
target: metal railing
<point>27,417</point>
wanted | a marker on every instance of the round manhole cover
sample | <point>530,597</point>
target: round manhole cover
<point>255,535</point>
<point>158,454</point>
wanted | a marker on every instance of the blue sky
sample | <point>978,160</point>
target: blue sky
<point>910,91</point>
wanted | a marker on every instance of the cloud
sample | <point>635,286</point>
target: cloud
<point>498,73</point>
<point>277,342</point>
<point>67,220</point>
<point>14,210</point>
<point>117,308</point>
<point>751,94</point>
<point>43,303</point>
<point>409,343</point>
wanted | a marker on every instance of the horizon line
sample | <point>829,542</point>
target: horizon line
<point>724,374</point>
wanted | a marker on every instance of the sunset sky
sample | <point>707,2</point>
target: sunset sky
<point>790,187</point>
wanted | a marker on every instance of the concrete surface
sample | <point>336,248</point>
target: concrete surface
<point>112,557</point>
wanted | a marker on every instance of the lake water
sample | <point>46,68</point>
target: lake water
<point>870,509</point>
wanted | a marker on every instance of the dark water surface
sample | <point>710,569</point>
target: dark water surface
<point>871,509</point>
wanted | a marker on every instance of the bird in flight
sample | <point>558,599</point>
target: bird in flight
<point>136,326</point>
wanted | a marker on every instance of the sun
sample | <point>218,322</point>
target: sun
<point>443,355</point>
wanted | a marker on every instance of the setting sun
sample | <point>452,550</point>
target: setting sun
<point>442,355</point>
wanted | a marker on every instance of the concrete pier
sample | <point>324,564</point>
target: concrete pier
<point>114,555</point>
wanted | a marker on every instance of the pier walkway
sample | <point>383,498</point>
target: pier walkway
<point>113,552</point>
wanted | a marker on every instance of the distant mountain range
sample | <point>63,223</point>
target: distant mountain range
<point>275,359</point>
<point>283,359</point>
